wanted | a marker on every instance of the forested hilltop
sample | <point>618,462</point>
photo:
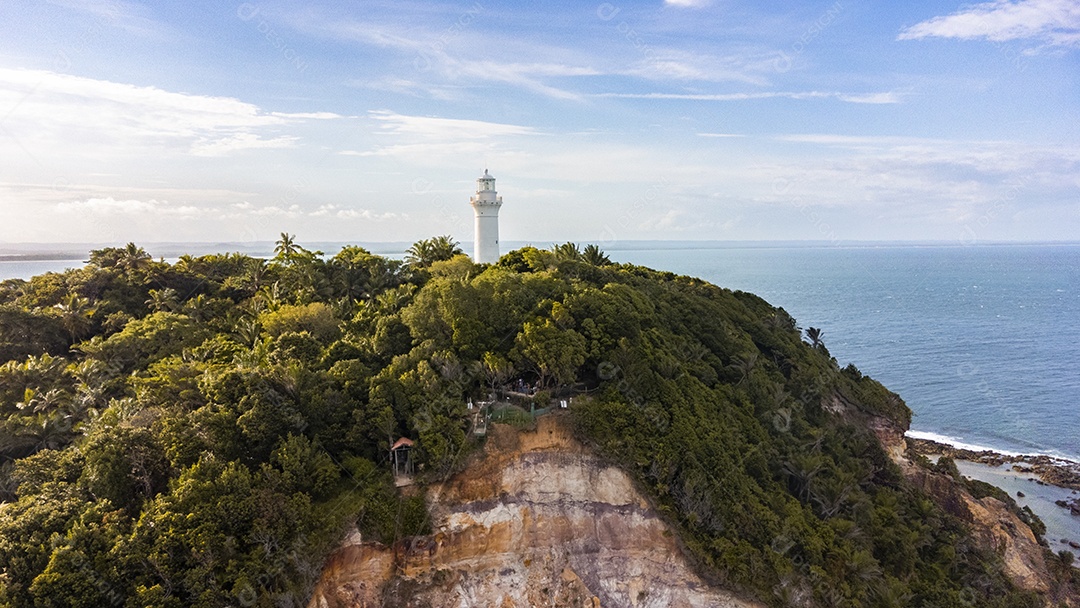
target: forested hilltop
<point>202,433</point>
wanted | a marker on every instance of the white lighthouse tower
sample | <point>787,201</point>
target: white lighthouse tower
<point>485,204</point>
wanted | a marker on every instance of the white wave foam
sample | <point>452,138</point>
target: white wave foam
<point>957,443</point>
<point>962,445</point>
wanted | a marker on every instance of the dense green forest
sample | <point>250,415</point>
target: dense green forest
<point>202,433</point>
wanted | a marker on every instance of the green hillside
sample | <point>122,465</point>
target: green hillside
<point>201,433</point>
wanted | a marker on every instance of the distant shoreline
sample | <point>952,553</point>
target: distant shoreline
<point>43,257</point>
<point>48,252</point>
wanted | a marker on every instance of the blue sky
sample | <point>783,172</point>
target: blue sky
<point>603,121</point>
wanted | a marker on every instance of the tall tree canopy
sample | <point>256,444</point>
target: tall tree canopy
<point>202,433</point>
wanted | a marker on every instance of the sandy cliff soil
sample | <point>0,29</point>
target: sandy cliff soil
<point>535,520</point>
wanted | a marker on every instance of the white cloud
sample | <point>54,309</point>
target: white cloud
<point>62,191</point>
<point>688,3</point>
<point>277,211</point>
<point>241,141</point>
<point>856,141</point>
<point>111,218</point>
<point>413,88</point>
<point>349,213</point>
<point>1055,22</point>
<point>672,220</point>
<point>447,61</point>
<point>307,115</point>
<point>111,206</point>
<point>433,141</point>
<point>664,64</point>
<point>874,98</point>
<point>124,15</point>
<point>522,75</point>
<point>367,214</point>
<point>432,128</point>
<point>48,108</point>
<point>986,156</point>
<point>384,35</point>
<point>449,52</point>
<point>936,182</point>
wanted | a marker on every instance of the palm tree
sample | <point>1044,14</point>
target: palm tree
<point>247,329</point>
<point>75,314</point>
<point>393,299</point>
<point>198,308</point>
<point>272,297</point>
<point>258,356</point>
<point>891,594</point>
<point>831,495</point>
<point>419,254</point>
<point>814,335</point>
<point>133,258</point>
<point>163,300</point>
<point>286,246</point>
<point>90,390</point>
<point>38,402</point>
<point>50,433</point>
<point>45,366</point>
<point>778,394</point>
<point>694,352</point>
<point>39,433</point>
<point>425,252</point>
<point>567,251</point>
<point>92,373</point>
<point>383,277</point>
<point>801,471</point>
<point>254,274</point>
<point>318,283</point>
<point>187,263</point>
<point>350,283</point>
<point>745,365</point>
<point>862,566</point>
<point>445,247</point>
<point>592,254</point>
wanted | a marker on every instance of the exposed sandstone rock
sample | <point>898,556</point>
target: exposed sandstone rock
<point>993,525</point>
<point>536,520</point>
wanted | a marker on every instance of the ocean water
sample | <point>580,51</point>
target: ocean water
<point>1061,526</point>
<point>24,269</point>
<point>982,342</point>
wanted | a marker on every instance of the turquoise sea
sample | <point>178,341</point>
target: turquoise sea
<point>982,342</point>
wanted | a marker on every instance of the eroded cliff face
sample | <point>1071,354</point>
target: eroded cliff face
<point>536,520</point>
<point>992,524</point>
